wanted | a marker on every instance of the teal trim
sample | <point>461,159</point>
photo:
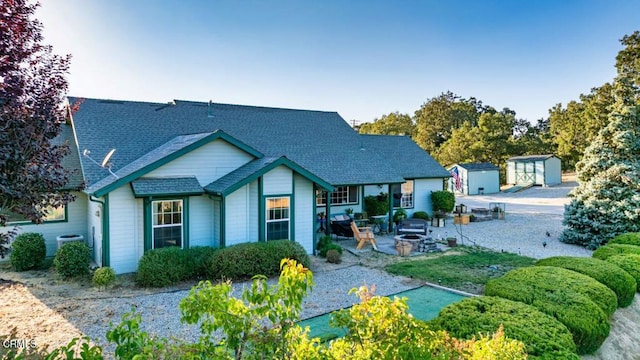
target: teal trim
<point>328,208</point>
<point>223,221</point>
<point>147,223</point>
<point>263,202</point>
<point>314,213</point>
<point>148,220</point>
<point>362,197</point>
<point>292,209</point>
<point>390,207</point>
<point>106,244</point>
<point>261,211</point>
<point>218,134</point>
<point>280,161</point>
<point>185,223</point>
<point>27,222</point>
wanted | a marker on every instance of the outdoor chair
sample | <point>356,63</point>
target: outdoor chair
<point>341,226</point>
<point>363,235</point>
<point>412,226</point>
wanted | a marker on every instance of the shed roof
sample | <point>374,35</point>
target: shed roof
<point>530,158</point>
<point>478,166</point>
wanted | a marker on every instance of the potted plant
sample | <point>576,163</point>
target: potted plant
<point>452,242</point>
<point>399,215</point>
<point>349,212</point>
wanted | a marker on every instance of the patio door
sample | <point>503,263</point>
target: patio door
<point>278,213</point>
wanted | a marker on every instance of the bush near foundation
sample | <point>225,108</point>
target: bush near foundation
<point>170,265</point>
<point>610,275</point>
<point>104,276</point>
<point>28,251</point>
<point>627,238</point>
<point>629,263</point>
<point>243,261</point>
<point>72,259</point>
<point>609,250</point>
<point>556,292</point>
<point>544,337</point>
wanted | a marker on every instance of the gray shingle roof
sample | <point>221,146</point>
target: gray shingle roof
<point>320,142</point>
<point>166,186</point>
<point>71,162</point>
<point>221,185</point>
<point>403,154</point>
<point>530,158</point>
<point>478,166</point>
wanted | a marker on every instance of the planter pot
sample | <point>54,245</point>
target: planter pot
<point>452,242</point>
<point>461,220</point>
<point>437,222</point>
<point>404,249</point>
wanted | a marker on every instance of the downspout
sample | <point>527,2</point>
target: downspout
<point>105,228</point>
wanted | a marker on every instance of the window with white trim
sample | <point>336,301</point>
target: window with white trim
<point>167,223</point>
<point>402,195</point>
<point>53,215</point>
<point>277,218</point>
<point>342,195</point>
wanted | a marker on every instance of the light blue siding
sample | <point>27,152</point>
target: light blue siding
<point>125,224</point>
<point>201,221</point>
<point>237,229</point>
<point>304,217</point>
<point>278,181</point>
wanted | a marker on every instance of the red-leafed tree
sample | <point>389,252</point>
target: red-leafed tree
<point>32,88</point>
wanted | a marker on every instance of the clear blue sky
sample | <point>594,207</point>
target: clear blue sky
<point>359,58</point>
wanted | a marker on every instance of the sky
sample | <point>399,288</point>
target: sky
<point>362,59</point>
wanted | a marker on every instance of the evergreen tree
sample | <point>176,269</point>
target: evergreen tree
<point>607,200</point>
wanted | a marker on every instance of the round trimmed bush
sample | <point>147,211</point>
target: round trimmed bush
<point>543,335</point>
<point>104,277</point>
<point>610,275</point>
<point>559,292</point>
<point>629,263</point>
<point>421,215</point>
<point>609,250</point>
<point>333,256</point>
<point>628,238</point>
<point>28,251</point>
<point>72,259</point>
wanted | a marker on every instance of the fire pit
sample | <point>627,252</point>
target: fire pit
<point>413,239</point>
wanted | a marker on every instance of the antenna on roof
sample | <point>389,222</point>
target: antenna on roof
<point>105,162</point>
<point>209,111</point>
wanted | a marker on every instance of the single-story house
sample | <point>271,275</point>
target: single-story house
<point>544,170</point>
<point>474,178</point>
<point>189,174</point>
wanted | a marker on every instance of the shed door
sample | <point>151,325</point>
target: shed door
<point>525,173</point>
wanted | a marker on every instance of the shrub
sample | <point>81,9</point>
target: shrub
<point>325,244</point>
<point>628,239</point>
<point>243,261</point>
<point>543,335</point>
<point>629,263</point>
<point>558,292</point>
<point>104,277</point>
<point>170,265</point>
<point>421,215</point>
<point>72,259</point>
<point>609,250</point>
<point>610,275</point>
<point>443,200</point>
<point>28,251</point>
<point>333,256</point>
<point>376,205</point>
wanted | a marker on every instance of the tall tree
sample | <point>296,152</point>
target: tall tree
<point>607,200</point>
<point>392,124</point>
<point>438,117</point>
<point>628,61</point>
<point>32,86</point>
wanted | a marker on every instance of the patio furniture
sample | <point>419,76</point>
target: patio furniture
<point>341,226</point>
<point>413,226</point>
<point>376,223</point>
<point>363,235</point>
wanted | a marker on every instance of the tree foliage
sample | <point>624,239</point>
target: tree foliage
<point>32,86</point>
<point>391,124</point>
<point>606,202</point>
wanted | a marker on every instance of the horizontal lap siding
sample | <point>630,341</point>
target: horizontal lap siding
<point>422,194</point>
<point>124,230</point>
<point>278,181</point>
<point>237,213</point>
<point>217,217</point>
<point>76,224</point>
<point>304,217</point>
<point>94,228</point>
<point>207,163</point>
<point>200,221</point>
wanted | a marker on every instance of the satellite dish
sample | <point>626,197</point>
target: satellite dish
<point>105,162</point>
<point>86,152</point>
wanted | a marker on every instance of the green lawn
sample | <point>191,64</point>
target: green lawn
<point>468,269</point>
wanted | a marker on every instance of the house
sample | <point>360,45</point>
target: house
<point>190,174</point>
<point>544,170</point>
<point>474,178</point>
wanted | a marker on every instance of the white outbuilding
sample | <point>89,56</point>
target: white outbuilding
<point>474,178</point>
<point>544,170</point>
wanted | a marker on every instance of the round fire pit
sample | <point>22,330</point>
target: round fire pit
<point>413,239</point>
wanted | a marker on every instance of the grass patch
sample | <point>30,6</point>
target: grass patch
<point>468,270</point>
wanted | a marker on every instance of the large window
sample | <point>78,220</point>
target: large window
<point>277,217</point>
<point>342,195</point>
<point>167,223</point>
<point>53,214</point>
<point>403,195</point>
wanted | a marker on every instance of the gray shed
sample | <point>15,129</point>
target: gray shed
<point>474,179</point>
<point>541,170</point>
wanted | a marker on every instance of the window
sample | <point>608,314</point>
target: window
<point>53,214</point>
<point>342,195</point>
<point>277,217</point>
<point>167,223</point>
<point>403,194</point>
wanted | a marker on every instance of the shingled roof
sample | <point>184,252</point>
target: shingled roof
<point>320,142</point>
<point>479,166</point>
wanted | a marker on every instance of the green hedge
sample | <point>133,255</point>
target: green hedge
<point>168,266</point>
<point>72,259</point>
<point>628,238</point>
<point>629,263</point>
<point>610,275</point>
<point>28,251</point>
<point>443,200</point>
<point>609,250</point>
<point>243,261</point>
<point>544,336</point>
<point>421,215</point>
<point>558,292</point>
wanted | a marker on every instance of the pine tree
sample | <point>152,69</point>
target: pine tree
<point>607,200</point>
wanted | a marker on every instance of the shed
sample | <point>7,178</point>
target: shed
<point>544,170</point>
<point>474,178</point>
